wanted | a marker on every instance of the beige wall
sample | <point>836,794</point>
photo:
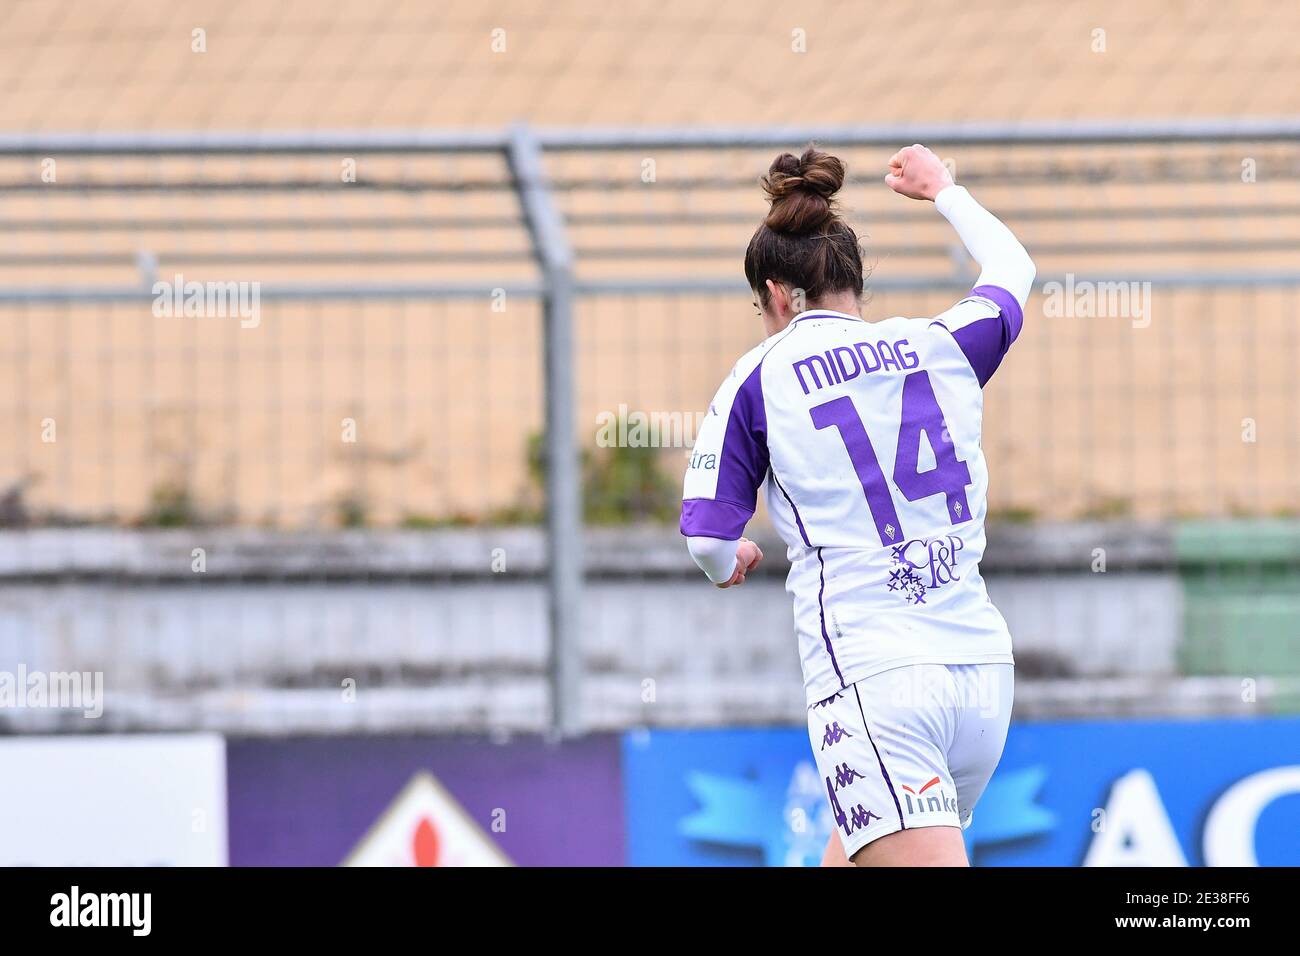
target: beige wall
<point>1088,416</point>
<point>302,63</point>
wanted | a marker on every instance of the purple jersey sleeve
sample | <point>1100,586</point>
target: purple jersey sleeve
<point>984,333</point>
<point>728,463</point>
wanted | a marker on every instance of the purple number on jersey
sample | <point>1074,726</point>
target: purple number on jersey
<point>949,476</point>
<point>840,413</point>
<point>921,414</point>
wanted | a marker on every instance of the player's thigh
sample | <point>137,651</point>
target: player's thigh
<point>921,846</point>
<point>834,853</point>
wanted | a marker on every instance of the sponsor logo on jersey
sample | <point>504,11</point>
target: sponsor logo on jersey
<point>704,462</point>
<point>922,564</point>
<point>930,798</point>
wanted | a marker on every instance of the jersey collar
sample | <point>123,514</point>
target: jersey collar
<point>825,314</point>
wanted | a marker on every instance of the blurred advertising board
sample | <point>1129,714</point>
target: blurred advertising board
<point>425,801</point>
<point>1194,793</point>
<point>147,800</point>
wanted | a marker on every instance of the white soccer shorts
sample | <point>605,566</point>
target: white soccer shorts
<point>910,747</point>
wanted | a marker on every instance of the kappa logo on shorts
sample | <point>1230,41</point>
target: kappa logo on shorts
<point>845,775</point>
<point>919,801</point>
<point>859,817</point>
<point>834,734</point>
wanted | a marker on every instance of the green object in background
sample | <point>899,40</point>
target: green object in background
<point>1241,586</point>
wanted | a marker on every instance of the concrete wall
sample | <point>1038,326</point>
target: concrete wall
<point>267,638</point>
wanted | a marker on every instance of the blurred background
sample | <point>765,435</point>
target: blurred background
<point>353,355</point>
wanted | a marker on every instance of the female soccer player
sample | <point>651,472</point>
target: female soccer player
<point>867,436</point>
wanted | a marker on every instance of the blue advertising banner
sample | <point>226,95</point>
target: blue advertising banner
<point>1217,792</point>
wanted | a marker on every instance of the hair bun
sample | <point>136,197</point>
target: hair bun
<point>802,191</point>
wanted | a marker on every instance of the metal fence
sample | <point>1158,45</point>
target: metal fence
<point>468,353</point>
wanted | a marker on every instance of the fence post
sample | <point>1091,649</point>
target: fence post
<point>563,471</point>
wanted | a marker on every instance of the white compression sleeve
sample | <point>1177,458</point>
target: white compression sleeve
<point>716,558</point>
<point>1002,258</point>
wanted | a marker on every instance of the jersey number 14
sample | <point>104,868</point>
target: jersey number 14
<point>921,413</point>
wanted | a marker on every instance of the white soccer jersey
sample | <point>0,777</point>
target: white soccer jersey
<point>867,437</point>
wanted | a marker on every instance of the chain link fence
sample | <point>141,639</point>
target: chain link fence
<point>342,431</point>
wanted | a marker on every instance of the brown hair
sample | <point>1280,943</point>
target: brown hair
<point>803,242</point>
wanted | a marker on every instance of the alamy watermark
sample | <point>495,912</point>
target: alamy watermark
<point>132,911</point>
<point>53,690</point>
<point>915,688</point>
<point>638,429</point>
<point>1088,299</point>
<point>176,298</point>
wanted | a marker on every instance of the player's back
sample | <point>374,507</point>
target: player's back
<point>866,437</point>
<point>878,485</point>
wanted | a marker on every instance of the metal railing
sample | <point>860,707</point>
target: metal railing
<point>560,210</point>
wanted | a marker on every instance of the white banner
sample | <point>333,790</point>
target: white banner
<point>155,800</point>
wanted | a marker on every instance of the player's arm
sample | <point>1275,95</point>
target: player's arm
<point>986,322</point>
<point>729,462</point>
<point>725,563</point>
